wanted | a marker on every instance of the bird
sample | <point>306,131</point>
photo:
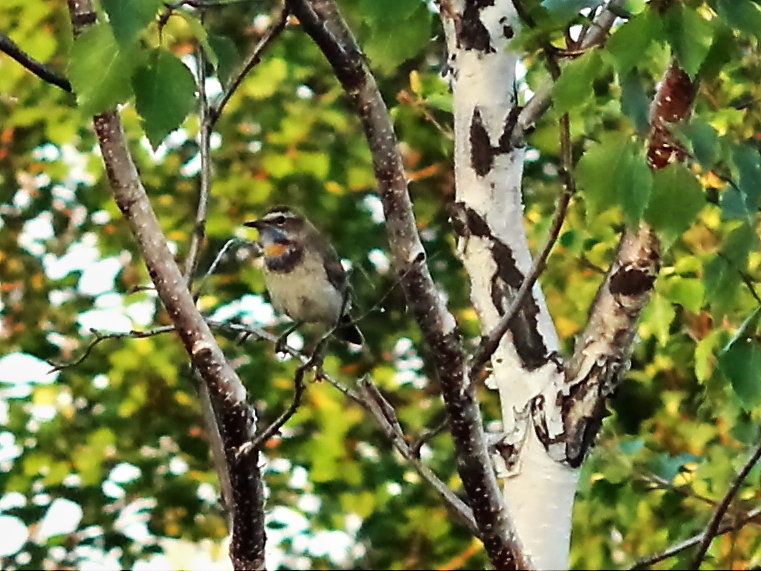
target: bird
<point>303,274</point>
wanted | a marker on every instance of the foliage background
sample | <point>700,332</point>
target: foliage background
<point>119,436</point>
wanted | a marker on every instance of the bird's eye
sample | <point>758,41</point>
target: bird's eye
<point>279,220</point>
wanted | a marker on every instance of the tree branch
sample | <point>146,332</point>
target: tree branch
<point>251,61</point>
<point>542,98</point>
<point>601,355</point>
<point>39,69</point>
<point>370,399</point>
<point>227,391</point>
<point>695,539</point>
<point>204,186</point>
<point>321,20</point>
<point>99,337</point>
<point>713,525</point>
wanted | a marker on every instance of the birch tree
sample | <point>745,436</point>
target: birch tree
<point>639,113</point>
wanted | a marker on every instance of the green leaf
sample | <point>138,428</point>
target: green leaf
<point>129,17</point>
<point>164,94</point>
<point>732,205</point>
<point>389,44</point>
<point>704,141</point>
<point>100,69</point>
<point>740,362</point>
<point>635,102</point>
<point>704,356</point>
<point>566,10</point>
<point>690,36</point>
<point>744,15</point>
<point>676,199</point>
<point>614,172</point>
<point>722,273</point>
<point>574,86</point>
<point>629,42</point>
<point>687,292</point>
<point>657,318</point>
<point>747,161</point>
<point>227,56</point>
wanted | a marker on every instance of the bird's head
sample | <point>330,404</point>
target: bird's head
<point>279,227</point>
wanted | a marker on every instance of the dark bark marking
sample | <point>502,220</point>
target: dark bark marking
<point>524,326</point>
<point>472,34</point>
<point>580,434</point>
<point>629,281</point>
<point>504,284</point>
<point>481,151</point>
<point>505,143</point>
<point>672,104</point>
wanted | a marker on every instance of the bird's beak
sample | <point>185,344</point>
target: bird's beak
<point>253,224</point>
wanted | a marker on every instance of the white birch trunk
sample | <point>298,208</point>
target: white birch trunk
<point>492,244</point>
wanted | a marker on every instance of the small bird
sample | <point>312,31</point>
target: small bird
<point>303,274</point>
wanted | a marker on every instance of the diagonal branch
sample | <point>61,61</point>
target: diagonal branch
<point>712,529</point>
<point>695,539</point>
<point>322,21</point>
<point>251,61</point>
<point>601,354</point>
<point>369,398</point>
<point>225,388</point>
<point>39,69</point>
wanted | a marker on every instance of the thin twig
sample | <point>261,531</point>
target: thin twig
<point>277,424</point>
<point>746,279</point>
<point>204,149</point>
<point>39,69</point>
<point>213,267</point>
<point>383,414</point>
<point>251,61</point>
<point>490,343</point>
<point>428,435</point>
<point>99,337</point>
<point>713,526</point>
<point>694,540</point>
<point>540,102</point>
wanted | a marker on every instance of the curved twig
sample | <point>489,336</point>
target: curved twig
<point>713,525</point>
<point>99,337</point>
<point>251,61</point>
<point>39,69</point>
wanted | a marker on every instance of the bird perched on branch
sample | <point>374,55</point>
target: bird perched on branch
<point>303,274</point>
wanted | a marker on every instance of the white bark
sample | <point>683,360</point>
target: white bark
<point>538,490</point>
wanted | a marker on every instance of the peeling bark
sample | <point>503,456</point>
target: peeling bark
<point>601,355</point>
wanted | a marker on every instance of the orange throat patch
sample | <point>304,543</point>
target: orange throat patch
<point>275,250</point>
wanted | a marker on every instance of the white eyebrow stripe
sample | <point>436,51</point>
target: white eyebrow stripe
<point>277,213</point>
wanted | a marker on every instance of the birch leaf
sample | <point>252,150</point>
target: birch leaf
<point>629,42</point>
<point>129,17</point>
<point>100,69</point>
<point>574,86</point>
<point>690,37</point>
<point>676,199</point>
<point>740,362</point>
<point>164,94</point>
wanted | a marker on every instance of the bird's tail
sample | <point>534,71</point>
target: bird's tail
<point>348,330</point>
